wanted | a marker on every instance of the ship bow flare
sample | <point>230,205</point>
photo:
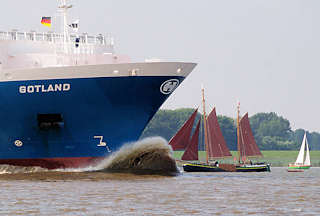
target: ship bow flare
<point>61,117</point>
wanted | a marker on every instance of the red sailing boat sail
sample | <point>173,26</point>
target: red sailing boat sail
<point>247,144</point>
<point>217,146</point>
<point>191,152</point>
<point>182,138</point>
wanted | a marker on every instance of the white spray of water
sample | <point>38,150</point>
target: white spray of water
<point>10,169</point>
<point>150,155</point>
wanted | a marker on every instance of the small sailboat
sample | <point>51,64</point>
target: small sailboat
<point>302,163</point>
<point>247,147</point>
<point>216,148</point>
<point>215,145</point>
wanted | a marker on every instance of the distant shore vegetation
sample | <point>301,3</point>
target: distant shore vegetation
<point>271,132</point>
<point>276,158</point>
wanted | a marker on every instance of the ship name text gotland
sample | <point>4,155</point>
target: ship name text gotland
<point>63,94</point>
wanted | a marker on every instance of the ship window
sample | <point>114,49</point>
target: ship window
<point>50,121</point>
<point>134,72</point>
<point>77,41</point>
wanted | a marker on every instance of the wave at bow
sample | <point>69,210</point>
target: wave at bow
<point>150,155</point>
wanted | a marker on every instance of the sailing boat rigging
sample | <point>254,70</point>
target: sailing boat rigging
<point>247,147</point>
<point>216,147</point>
<point>301,163</point>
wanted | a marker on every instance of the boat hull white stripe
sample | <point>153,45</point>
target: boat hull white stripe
<point>104,70</point>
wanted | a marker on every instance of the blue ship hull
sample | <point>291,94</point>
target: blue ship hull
<point>92,118</point>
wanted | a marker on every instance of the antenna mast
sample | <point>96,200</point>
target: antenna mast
<point>63,10</point>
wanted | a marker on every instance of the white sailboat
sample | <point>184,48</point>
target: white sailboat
<point>303,162</point>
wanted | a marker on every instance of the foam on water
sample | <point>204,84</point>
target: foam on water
<point>148,156</point>
<point>7,169</point>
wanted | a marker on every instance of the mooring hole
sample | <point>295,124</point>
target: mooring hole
<point>50,121</point>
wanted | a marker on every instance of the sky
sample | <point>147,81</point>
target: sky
<point>263,53</point>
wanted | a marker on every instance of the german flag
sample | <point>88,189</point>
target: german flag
<point>46,21</point>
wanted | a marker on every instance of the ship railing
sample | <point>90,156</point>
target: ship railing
<point>82,49</point>
<point>53,37</point>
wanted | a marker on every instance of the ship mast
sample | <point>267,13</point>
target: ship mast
<point>238,131</point>
<point>205,125</point>
<point>63,10</point>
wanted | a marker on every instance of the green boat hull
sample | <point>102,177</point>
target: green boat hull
<point>298,167</point>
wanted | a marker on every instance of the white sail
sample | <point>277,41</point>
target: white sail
<point>307,161</point>
<point>301,152</point>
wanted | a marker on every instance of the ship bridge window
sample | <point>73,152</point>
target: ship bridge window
<point>50,121</point>
<point>77,41</point>
<point>14,34</point>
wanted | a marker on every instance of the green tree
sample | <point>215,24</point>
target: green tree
<point>315,141</point>
<point>166,123</point>
<point>229,131</point>
<point>271,131</point>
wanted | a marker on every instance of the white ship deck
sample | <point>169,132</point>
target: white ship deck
<point>21,50</point>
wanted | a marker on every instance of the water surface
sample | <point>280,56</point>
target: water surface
<point>100,193</point>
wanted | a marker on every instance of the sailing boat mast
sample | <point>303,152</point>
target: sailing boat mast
<point>205,125</point>
<point>307,160</point>
<point>238,131</point>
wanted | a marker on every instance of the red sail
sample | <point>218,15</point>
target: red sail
<point>182,137</point>
<point>216,143</point>
<point>248,146</point>
<point>191,152</point>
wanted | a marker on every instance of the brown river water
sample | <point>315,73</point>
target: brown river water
<point>34,191</point>
<point>100,193</point>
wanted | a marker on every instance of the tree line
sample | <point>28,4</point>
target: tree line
<point>271,132</point>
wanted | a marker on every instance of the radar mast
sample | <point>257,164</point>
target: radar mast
<point>63,9</point>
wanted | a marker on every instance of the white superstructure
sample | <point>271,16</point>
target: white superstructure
<point>48,55</point>
<point>49,49</point>
<point>61,93</point>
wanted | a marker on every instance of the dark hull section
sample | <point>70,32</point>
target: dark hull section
<point>70,122</point>
<point>225,168</point>
<point>254,168</point>
<point>54,163</point>
<point>202,168</point>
